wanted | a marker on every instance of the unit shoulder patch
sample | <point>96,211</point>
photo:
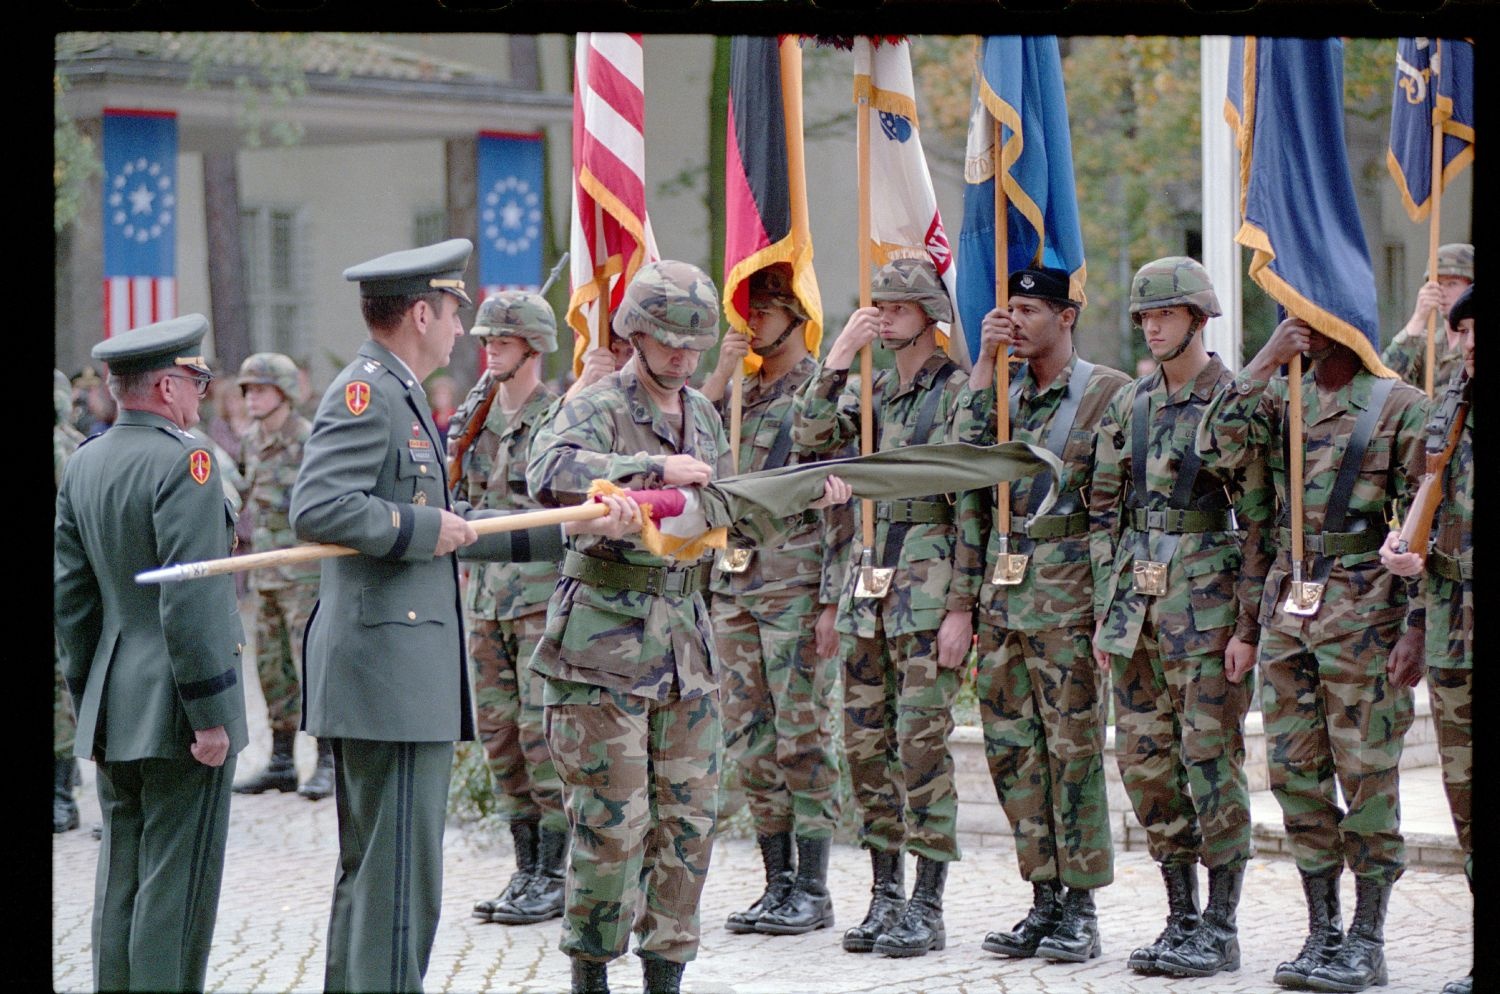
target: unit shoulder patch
<point>200,465</point>
<point>357,397</point>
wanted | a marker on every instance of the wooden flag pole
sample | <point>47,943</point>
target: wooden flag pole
<point>1434,202</point>
<point>736,399</point>
<point>1294,471</point>
<point>313,552</point>
<point>1002,360</point>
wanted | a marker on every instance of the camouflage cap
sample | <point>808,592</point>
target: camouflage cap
<point>518,314</point>
<point>772,287</point>
<point>915,280</point>
<point>673,302</point>
<point>1174,281</point>
<point>1455,259</point>
<point>1462,308</point>
<point>271,369</point>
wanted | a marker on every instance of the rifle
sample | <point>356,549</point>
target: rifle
<point>481,413</point>
<point>1442,440</point>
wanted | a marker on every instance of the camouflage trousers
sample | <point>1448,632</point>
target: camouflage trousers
<point>508,698</point>
<point>1331,716</point>
<point>776,696</point>
<point>1042,705</point>
<point>1180,745</point>
<point>1452,695</point>
<point>280,620</point>
<point>641,783</point>
<point>898,715</point>
<point>63,724</point>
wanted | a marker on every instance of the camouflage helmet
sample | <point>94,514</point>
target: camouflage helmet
<point>772,286</point>
<point>62,395</point>
<point>915,280</point>
<point>1175,281</point>
<point>273,369</point>
<point>1455,259</point>
<point>520,314</point>
<point>673,302</point>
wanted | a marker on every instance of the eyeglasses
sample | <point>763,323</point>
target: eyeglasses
<point>200,382</point>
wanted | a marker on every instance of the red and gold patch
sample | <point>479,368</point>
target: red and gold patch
<point>200,464</point>
<point>357,397</point>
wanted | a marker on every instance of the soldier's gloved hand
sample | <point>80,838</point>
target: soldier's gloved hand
<point>955,638</point>
<point>835,492</point>
<point>685,471</point>
<point>1399,563</point>
<point>825,635</point>
<point>862,328</point>
<point>1407,663</point>
<point>453,533</point>
<point>1239,659</point>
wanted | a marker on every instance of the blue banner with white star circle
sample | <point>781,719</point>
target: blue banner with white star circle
<point>510,211</point>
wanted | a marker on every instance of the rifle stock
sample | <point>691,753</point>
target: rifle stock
<point>1416,530</point>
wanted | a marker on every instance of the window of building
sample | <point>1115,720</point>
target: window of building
<point>275,249</point>
<point>429,226</point>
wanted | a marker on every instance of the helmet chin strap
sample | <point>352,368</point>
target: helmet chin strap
<point>1186,340</point>
<point>507,376</point>
<point>905,343</point>
<point>646,365</point>
<point>780,342</point>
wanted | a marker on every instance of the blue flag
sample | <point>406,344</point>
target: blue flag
<point>510,191</point>
<point>1300,217</point>
<point>1434,85</point>
<point>1019,83</point>
<point>140,218</point>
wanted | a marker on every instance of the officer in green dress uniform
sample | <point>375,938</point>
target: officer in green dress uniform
<point>385,674</point>
<point>153,670</point>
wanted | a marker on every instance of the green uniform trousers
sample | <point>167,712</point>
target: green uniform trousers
<point>508,697</point>
<point>161,861</point>
<point>1180,746</point>
<point>898,715</point>
<point>392,800</point>
<point>641,781</point>
<point>1332,715</point>
<point>1042,705</point>
<point>777,697</point>
<point>1451,691</point>
<point>280,621</point>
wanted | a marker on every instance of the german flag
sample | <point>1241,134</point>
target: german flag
<point>765,188</point>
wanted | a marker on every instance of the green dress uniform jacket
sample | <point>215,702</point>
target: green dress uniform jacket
<point>147,665</point>
<point>385,657</point>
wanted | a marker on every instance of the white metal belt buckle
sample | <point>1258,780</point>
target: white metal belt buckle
<point>735,560</point>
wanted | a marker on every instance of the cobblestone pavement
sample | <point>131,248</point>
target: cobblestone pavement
<point>282,851</point>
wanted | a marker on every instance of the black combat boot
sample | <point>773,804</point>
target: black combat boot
<point>1215,945</point>
<point>920,928</point>
<point>1076,937</point>
<point>1325,929</point>
<point>808,906</point>
<point>280,773</point>
<point>1045,913</point>
<point>523,837</point>
<point>64,807</point>
<point>776,854</point>
<point>1182,915</point>
<point>589,977</point>
<point>543,897</point>
<point>662,976</point>
<point>1463,985</point>
<point>320,784</point>
<point>887,901</point>
<point>1360,962</point>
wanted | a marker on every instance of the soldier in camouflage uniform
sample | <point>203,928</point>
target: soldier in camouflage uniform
<point>1406,355</point>
<point>1041,698</point>
<point>65,438</point>
<point>904,647</point>
<point>775,689</point>
<point>1446,612</point>
<point>627,655</point>
<point>284,594</point>
<point>491,437</point>
<point>1336,681</point>
<point>1179,644</point>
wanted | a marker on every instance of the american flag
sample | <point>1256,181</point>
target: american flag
<point>611,234</point>
<point>140,218</point>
